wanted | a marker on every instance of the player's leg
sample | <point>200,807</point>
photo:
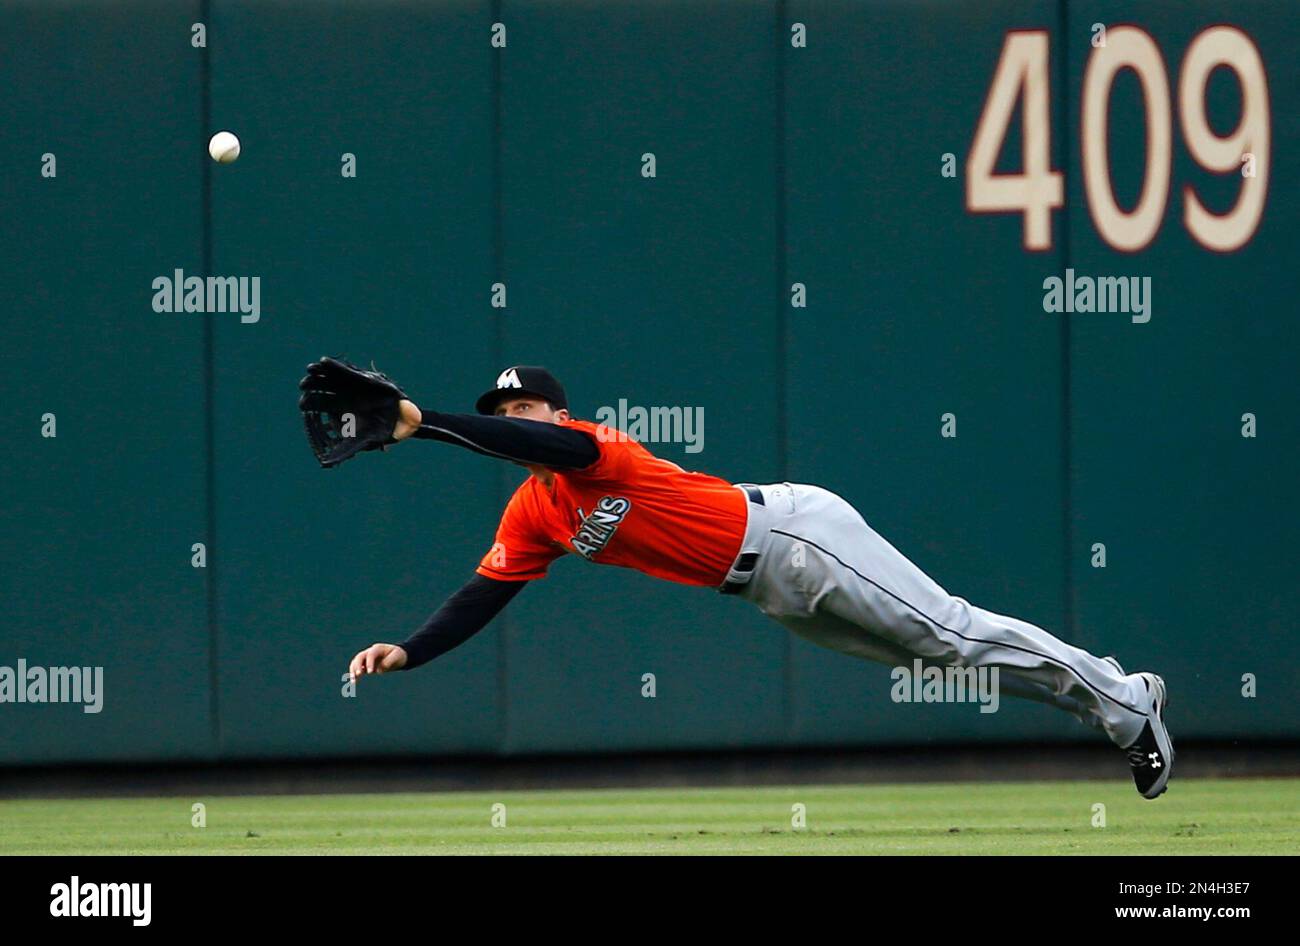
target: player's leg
<point>831,631</point>
<point>820,557</point>
<point>823,557</point>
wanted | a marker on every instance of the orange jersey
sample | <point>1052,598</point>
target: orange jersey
<point>629,508</point>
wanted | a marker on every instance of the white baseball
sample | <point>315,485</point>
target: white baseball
<point>224,147</point>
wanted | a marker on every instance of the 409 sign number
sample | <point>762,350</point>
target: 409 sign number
<point>1022,71</point>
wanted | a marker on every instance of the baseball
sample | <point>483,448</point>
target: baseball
<point>224,147</point>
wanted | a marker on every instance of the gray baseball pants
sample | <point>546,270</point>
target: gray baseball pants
<point>830,578</point>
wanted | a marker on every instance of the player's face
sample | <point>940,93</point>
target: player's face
<point>531,408</point>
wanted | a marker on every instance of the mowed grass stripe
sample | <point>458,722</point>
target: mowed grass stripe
<point>1196,817</point>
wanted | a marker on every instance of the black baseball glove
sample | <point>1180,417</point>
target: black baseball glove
<point>347,409</point>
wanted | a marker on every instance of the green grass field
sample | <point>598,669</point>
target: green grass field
<point>1194,817</point>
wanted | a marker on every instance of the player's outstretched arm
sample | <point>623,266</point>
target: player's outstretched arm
<point>461,616</point>
<point>527,442</point>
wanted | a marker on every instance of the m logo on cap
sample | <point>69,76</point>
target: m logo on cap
<point>532,381</point>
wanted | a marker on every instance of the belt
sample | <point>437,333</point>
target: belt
<point>747,561</point>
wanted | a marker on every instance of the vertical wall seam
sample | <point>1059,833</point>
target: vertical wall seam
<point>782,365</point>
<point>209,389</point>
<point>1067,433</point>
<point>498,356</point>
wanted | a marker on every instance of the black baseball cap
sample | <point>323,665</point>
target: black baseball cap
<point>520,380</point>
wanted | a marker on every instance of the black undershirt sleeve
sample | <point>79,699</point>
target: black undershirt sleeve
<point>461,616</point>
<point>512,438</point>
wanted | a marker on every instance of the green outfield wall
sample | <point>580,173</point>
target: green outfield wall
<point>799,270</point>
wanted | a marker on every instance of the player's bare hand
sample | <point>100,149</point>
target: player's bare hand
<point>409,421</point>
<point>377,658</point>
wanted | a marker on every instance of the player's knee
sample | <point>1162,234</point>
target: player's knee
<point>956,613</point>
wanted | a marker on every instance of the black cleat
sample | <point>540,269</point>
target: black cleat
<point>1152,757</point>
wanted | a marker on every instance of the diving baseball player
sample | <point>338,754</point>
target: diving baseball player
<point>802,554</point>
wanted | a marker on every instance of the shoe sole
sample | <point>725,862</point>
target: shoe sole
<point>1160,699</point>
